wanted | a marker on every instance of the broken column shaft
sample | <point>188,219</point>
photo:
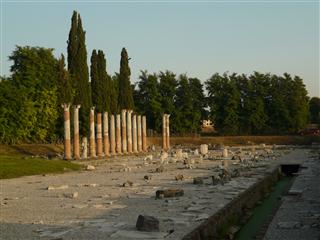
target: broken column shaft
<point>92,141</point>
<point>144,133</point>
<point>112,136</point>
<point>124,130</point>
<point>99,135</point>
<point>139,133</point>
<point>106,145</point>
<point>129,131</point>
<point>76,146</point>
<point>168,131</point>
<point>118,134</point>
<point>164,132</point>
<point>67,141</point>
<point>134,134</point>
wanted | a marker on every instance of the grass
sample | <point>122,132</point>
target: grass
<point>14,165</point>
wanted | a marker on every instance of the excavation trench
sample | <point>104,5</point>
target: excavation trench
<point>252,210</point>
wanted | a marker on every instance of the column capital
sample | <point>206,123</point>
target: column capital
<point>65,105</point>
<point>77,106</point>
<point>92,108</point>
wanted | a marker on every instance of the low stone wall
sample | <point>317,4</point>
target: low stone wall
<point>212,228</point>
<point>238,140</point>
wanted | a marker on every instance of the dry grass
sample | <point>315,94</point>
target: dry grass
<point>239,140</point>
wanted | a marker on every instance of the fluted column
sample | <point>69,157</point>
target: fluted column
<point>124,130</point>
<point>164,132</point>
<point>134,134</point>
<point>99,135</point>
<point>118,134</point>
<point>106,145</point>
<point>92,142</point>
<point>168,131</point>
<point>144,133</point>
<point>67,140</point>
<point>139,134</point>
<point>112,136</point>
<point>76,146</point>
<point>129,131</point>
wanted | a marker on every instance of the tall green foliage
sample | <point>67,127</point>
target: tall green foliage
<point>184,106</point>
<point>147,99</point>
<point>65,91</point>
<point>125,97</point>
<point>224,98</point>
<point>78,68</point>
<point>29,103</point>
<point>314,110</point>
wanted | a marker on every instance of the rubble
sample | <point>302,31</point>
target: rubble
<point>147,223</point>
<point>171,192</point>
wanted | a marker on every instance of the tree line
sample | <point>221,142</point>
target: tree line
<point>31,98</point>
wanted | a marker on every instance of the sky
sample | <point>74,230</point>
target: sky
<point>198,38</point>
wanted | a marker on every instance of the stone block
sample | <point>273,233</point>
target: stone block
<point>171,192</point>
<point>147,223</point>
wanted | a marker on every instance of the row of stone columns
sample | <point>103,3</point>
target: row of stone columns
<point>165,132</point>
<point>125,134</point>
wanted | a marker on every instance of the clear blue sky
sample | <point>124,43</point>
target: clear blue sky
<point>185,37</point>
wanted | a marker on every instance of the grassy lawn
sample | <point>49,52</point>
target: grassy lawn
<point>14,165</point>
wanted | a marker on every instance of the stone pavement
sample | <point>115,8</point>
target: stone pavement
<point>104,203</point>
<point>298,217</point>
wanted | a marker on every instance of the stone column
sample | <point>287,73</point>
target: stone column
<point>124,130</point>
<point>134,134</point>
<point>139,134</point>
<point>99,135</point>
<point>118,134</point>
<point>112,136</point>
<point>84,148</point>
<point>129,131</point>
<point>144,133</point>
<point>76,146</point>
<point>106,145</point>
<point>67,140</point>
<point>164,132</point>
<point>168,131</point>
<point>92,141</point>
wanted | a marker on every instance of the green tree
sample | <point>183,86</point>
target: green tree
<point>168,88</point>
<point>65,91</point>
<point>184,112</point>
<point>125,97</point>
<point>276,108</point>
<point>78,68</point>
<point>148,99</point>
<point>199,100</point>
<point>95,80</point>
<point>298,105</point>
<point>256,116</point>
<point>314,109</point>
<point>29,99</point>
<point>224,98</point>
<point>114,94</point>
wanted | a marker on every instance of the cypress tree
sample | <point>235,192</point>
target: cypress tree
<point>125,98</point>
<point>114,93</point>
<point>94,74</point>
<point>73,43</point>
<point>78,68</point>
<point>104,83</point>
